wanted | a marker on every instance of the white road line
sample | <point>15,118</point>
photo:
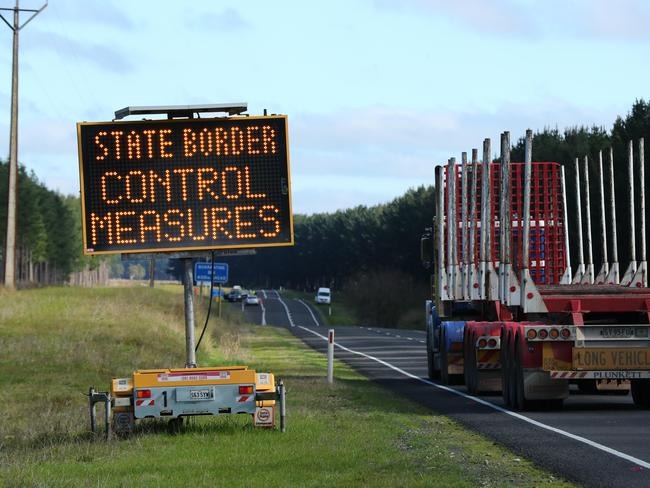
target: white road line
<point>287,310</point>
<point>421,342</point>
<point>398,336</point>
<point>264,293</point>
<point>310,312</point>
<point>409,338</point>
<point>584,440</point>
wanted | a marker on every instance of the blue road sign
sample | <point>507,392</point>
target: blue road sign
<point>219,272</point>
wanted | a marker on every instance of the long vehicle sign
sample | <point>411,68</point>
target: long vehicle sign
<point>170,185</point>
<point>611,358</point>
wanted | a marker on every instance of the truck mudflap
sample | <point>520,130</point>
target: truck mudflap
<point>454,336</point>
<point>538,385</point>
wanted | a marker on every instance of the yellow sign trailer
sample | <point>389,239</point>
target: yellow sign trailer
<point>189,391</point>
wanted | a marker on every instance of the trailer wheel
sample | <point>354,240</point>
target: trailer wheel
<point>431,367</point>
<point>444,367</point>
<point>641,392</point>
<point>470,368</point>
<point>520,401</point>
<point>505,370</point>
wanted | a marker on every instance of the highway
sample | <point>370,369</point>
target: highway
<point>595,440</point>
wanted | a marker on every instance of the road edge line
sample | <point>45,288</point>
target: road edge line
<point>516,415</point>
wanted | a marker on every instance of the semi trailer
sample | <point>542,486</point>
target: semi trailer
<point>507,312</point>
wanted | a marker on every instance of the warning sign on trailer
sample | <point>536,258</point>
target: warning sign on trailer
<point>171,185</point>
<point>264,417</point>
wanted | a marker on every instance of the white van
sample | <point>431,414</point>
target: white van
<point>323,295</point>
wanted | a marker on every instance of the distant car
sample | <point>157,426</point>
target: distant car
<point>252,299</point>
<point>323,295</point>
<point>234,296</point>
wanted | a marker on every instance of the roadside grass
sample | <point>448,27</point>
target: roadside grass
<point>55,342</point>
<point>341,313</point>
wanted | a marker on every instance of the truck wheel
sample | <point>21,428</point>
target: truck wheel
<point>520,401</point>
<point>505,373</point>
<point>641,393</point>
<point>444,367</point>
<point>431,369</point>
<point>470,368</point>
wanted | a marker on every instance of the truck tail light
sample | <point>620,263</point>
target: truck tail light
<point>143,394</point>
<point>482,343</point>
<point>565,333</point>
<point>554,333</point>
<point>245,390</point>
<point>492,343</point>
<point>531,334</point>
<point>543,333</point>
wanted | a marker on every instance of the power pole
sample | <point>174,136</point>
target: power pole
<point>10,248</point>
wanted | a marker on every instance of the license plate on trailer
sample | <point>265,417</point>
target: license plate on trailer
<point>201,394</point>
<point>617,332</point>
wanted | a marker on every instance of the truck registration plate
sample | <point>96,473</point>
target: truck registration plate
<point>600,358</point>
<point>205,394</point>
<point>617,332</point>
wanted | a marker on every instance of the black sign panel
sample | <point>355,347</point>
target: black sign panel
<point>172,185</point>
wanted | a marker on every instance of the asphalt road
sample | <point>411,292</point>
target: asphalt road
<point>595,440</point>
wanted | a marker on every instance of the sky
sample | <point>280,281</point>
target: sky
<point>377,92</point>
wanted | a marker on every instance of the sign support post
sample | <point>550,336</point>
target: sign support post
<point>188,286</point>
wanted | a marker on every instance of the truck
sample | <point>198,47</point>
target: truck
<point>507,313</point>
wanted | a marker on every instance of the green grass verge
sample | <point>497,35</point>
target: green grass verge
<point>58,341</point>
<point>341,313</point>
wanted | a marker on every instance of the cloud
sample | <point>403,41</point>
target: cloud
<point>496,17</point>
<point>227,20</point>
<point>394,142</point>
<point>622,20</point>
<point>98,13</point>
<point>71,50</point>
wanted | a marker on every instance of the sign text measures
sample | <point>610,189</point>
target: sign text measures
<point>165,185</point>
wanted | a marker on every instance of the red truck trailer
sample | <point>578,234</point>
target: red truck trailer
<point>507,313</point>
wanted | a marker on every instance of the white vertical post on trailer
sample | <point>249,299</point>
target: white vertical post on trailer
<point>641,275</point>
<point>631,268</point>
<point>530,299</point>
<point>443,289</point>
<point>581,257</point>
<point>488,279</point>
<point>588,277</point>
<point>473,285</point>
<point>464,200</point>
<point>604,269</point>
<point>613,275</point>
<point>450,227</point>
<point>452,231</point>
<point>501,223</point>
<point>510,289</point>
<point>566,277</point>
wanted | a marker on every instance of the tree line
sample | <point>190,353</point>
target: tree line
<point>353,246</point>
<point>47,244</point>
<point>374,251</point>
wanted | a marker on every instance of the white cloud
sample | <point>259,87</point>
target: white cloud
<point>227,20</point>
<point>621,20</point>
